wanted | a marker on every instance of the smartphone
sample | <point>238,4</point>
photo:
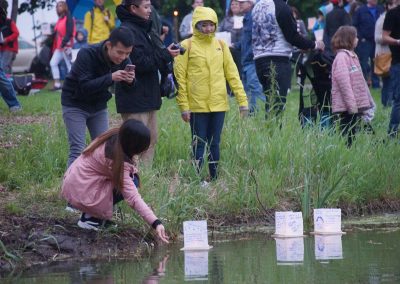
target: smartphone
<point>130,68</point>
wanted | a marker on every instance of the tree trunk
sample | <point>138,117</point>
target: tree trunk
<point>14,10</point>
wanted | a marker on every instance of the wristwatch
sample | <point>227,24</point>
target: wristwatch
<point>398,42</point>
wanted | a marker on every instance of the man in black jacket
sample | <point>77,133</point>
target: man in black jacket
<point>85,91</point>
<point>142,100</point>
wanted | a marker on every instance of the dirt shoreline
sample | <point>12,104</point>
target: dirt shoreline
<point>31,240</point>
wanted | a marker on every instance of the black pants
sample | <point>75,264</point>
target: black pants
<point>349,126</point>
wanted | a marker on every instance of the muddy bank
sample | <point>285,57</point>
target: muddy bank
<point>30,240</point>
<point>34,240</point>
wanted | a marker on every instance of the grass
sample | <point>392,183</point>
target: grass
<point>295,169</point>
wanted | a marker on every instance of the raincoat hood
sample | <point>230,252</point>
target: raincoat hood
<point>203,14</point>
<point>84,32</point>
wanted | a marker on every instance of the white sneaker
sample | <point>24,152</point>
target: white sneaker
<point>204,184</point>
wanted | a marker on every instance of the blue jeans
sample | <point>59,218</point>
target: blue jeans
<point>76,121</point>
<point>252,86</point>
<point>395,115</point>
<point>7,91</point>
<point>387,91</point>
<point>206,129</point>
<point>366,54</point>
<point>279,65</point>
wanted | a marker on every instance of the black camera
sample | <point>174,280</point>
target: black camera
<point>176,46</point>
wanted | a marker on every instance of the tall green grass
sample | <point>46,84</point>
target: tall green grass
<point>295,169</point>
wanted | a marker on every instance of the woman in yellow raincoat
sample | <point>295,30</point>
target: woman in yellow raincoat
<point>201,73</point>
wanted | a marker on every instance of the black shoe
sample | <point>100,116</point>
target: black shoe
<point>93,223</point>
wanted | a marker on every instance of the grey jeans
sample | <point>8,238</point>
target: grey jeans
<point>76,121</point>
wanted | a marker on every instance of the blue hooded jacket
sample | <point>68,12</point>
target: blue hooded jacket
<point>83,43</point>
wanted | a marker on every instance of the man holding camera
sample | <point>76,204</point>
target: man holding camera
<point>85,91</point>
<point>142,100</point>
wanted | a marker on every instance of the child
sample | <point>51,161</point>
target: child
<point>80,39</point>
<point>102,176</point>
<point>351,98</point>
<point>201,73</point>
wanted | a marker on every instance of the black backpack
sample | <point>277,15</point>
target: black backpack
<point>22,84</point>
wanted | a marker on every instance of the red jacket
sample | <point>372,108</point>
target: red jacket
<point>10,34</point>
<point>64,32</point>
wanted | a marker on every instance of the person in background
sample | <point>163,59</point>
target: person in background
<point>273,36</point>
<point>334,19</point>
<point>142,100</point>
<point>351,98</point>
<point>102,176</point>
<point>391,36</point>
<point>201,73</point>
<point>364,20</point>
<point>185,29</point>
<point>8,41</point>
<point>63,41</point>
<point>250,81</point>
<point>85,92</point>
<point>99,22</point>
<point>7,91</point>
<point>80,39</point>
<point>233,23</point>
<point>320,22</point>
<point>381,48</point>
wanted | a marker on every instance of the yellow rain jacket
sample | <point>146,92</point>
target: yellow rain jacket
<point>202,71</point>
<point>98,29</point>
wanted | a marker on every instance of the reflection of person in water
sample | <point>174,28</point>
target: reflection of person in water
<point>157,273</point>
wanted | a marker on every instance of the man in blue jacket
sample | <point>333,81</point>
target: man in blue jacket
<point>251,84</point>
<point>364,20</point>
<point>85,91</point>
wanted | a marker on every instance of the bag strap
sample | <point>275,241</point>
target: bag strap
<point>91,23</point>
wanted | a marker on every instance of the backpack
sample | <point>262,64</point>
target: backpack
<point>188,51</point>
<point>92,20</point>
<point>22,84</point>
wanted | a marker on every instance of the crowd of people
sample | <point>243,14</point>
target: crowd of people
<point>255,67</point>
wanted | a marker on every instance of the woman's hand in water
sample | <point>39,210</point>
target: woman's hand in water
<point>161,233</point>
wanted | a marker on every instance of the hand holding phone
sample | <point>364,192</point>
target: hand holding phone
<point>130,68</point>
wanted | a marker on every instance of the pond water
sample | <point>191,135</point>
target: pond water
<point>357,257</point>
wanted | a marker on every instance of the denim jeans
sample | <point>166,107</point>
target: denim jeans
<point>266,67</point>
<point>366,54</point>
<point>252,86</point>
<point>395,115</point>
<point>387,91</point>
<point>7,91</point>
<point>76,121</point>
<point>206,129</point>
<point>6,60</point>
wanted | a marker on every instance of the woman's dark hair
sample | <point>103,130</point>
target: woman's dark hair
<point>122,35</point>
<point>128,3</point>
<point>133,138</point>
<point>344,38</point>
<point>387,4</point>
<point>230,14</point>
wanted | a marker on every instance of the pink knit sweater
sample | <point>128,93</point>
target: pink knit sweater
<point>88,187</point>
<point>350,92</point>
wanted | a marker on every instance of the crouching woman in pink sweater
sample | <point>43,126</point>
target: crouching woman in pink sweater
<point>103,175</point>
<point>351,98</point>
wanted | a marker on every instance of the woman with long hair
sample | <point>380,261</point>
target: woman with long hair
<point>64,33</point>
<point>105,173</point>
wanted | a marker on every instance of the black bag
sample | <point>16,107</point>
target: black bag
<point>22,84</point>
<point>167,86</point>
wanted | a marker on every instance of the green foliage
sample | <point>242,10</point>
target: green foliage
<point>294,168</point>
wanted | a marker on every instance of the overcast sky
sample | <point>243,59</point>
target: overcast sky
<point>24,21</point>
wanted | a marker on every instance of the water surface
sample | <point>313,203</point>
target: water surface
<point>358,257</point>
